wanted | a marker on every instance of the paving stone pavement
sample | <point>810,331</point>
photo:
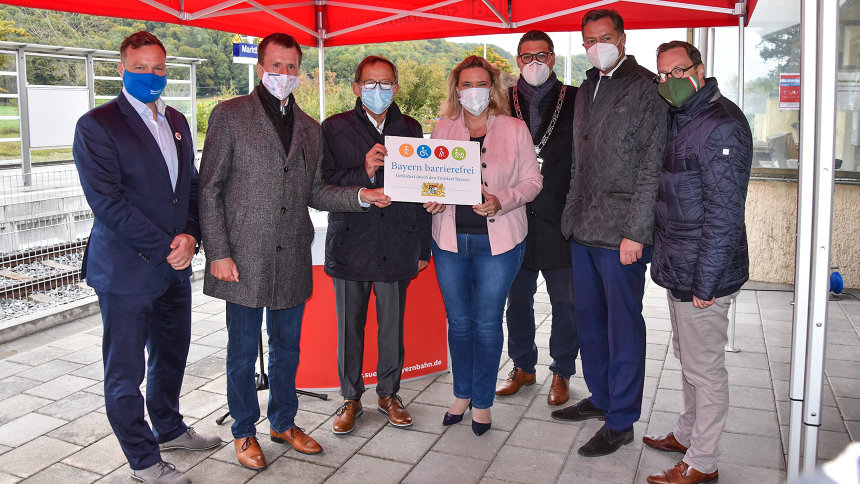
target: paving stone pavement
<point>53,426</point>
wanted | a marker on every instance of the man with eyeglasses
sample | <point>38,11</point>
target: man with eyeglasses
<point>700,250</point>
<point>379,250</point>
<point>546,105</point>
<point>619,138</point>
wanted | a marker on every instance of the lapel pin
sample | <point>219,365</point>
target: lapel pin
<point>178,136</point>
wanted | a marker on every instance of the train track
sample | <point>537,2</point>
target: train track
<point>21,285</point>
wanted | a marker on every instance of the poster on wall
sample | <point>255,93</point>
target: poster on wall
<point>789,91</point>
<point>848,90</point>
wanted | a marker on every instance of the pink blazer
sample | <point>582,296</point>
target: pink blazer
<point>510,170</point>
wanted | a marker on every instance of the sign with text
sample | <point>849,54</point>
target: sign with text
<point>244,53</point>
<point>433,170</point>
<point>789,91</point>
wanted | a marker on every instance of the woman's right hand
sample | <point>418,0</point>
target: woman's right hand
<point>434,207</point>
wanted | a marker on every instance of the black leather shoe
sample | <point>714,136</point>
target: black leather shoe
<point>605,441</point>
<point>583,410</point>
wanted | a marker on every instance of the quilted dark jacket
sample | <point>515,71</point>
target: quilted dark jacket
<point>700,241</point>
<point>381,244</point>
<point>618,143</point>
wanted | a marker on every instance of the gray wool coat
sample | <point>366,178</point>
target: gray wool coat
<point>254,202</point>
<point>619,139</point>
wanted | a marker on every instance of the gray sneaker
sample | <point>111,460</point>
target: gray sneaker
<point>161,473</point>
<point>191,440</point>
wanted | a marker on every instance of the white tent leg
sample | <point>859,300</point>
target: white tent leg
<point>733,312</point>
<point>803,254</point>
<point>321,34</point>
<point>825,109</point>
<point>741,61</point>
<point>321,76</point>
<point>709,59</point>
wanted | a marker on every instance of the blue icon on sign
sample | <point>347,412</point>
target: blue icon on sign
<point>424,151</point>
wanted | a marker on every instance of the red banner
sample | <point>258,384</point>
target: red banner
<point>425,334</point>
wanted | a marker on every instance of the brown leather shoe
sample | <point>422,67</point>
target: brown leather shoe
<point>558,391</point>
<point>249,453</point>
<point>516,378</point>
<point>296,437</point>
<point>667,443</point>
<point>392,406</point>
<point>344,418</point>
<point>682,474</point>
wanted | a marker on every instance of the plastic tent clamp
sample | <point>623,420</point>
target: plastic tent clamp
<point>332,22</point>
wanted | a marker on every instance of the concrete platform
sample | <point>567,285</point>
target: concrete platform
<point>53,426</point>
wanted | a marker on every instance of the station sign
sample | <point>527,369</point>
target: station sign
<point>244,52</point>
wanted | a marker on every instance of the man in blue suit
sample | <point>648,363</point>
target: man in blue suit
<point>135,157</point>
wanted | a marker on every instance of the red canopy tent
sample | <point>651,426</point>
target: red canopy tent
<point>333,22</point>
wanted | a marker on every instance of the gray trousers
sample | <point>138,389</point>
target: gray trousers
<point>699,340</point>
<point>351,301</point>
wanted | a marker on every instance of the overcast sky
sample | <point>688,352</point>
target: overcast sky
<point>643,44</point>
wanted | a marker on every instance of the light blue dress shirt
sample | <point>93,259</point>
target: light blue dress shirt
<point>161,132</point>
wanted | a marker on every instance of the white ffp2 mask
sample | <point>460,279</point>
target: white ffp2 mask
<point>475,99</point>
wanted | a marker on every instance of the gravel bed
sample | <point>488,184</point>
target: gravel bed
<point>15,308</point>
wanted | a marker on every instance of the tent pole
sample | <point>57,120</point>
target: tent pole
<point>709,58</point>
<point>321,54</point>
<point>321,76</point>
<point>741,61</point>
<point>704,47</point>
<point>825,109</point>
<point>568,76</point>
<point>803,253</point>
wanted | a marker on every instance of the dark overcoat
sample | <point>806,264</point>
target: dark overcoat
<point>381,244</point>
<point>254,202</point>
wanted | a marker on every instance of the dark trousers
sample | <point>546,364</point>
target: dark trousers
<point>351,301</point>
<point>520,317</point>
<point>611,330</point>
<point>161,324</point>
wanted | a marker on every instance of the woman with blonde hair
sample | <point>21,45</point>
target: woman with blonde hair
<point>478,249</point>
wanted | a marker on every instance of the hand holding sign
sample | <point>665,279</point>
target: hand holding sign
<point>373,160</point>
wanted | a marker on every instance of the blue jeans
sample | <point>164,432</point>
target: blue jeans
<point>284,327</point>
<point>563,344</point>
<point>474,286</point>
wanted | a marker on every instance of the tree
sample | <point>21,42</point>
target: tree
<point>422,88</point>
<point>784,47</point>
<point>499,62</point>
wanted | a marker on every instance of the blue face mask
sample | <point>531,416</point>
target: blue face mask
<point>377,99</point>
<point>144,86</point>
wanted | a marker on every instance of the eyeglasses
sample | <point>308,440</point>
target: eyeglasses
<point>540,56</point>
<point>677,73</point>
<point>384,85</point>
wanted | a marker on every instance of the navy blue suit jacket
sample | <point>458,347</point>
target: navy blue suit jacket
<point>137,211</point>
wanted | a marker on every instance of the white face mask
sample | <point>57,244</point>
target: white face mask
<point>475,99</point>
<point>280,85</point>
<point>535,73</point>
<point>602,55</point>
